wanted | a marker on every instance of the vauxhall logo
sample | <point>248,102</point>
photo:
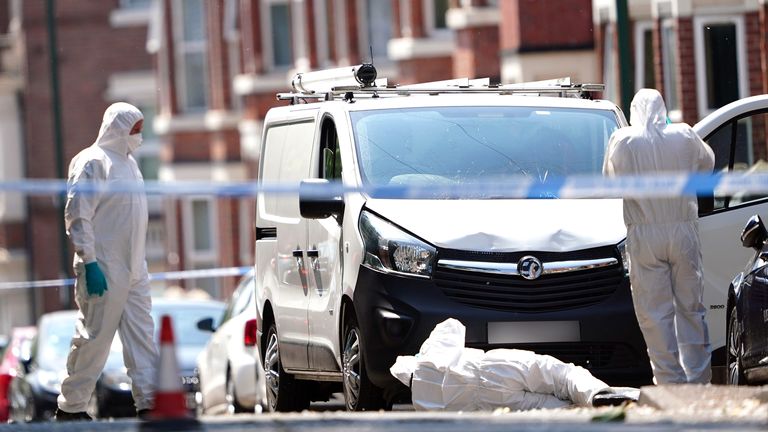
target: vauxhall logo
<point>529,267</point>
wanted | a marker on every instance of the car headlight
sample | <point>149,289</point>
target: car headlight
<point>116,379</point>
<point>389,249</point>
<point>50,381</point>
<point>625,261</point>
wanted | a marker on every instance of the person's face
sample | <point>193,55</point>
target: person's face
<point>137,127</point>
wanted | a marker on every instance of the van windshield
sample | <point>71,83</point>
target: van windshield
<point>466,145</point>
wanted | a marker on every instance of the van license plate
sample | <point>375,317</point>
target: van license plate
<point>533,331</point>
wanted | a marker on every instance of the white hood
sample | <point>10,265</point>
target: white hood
<point>554,225</point>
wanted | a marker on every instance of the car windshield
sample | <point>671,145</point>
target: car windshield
<point>466,145</point>
<point>185,318</point>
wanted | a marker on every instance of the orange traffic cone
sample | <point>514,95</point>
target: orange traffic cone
<point>170,409</point>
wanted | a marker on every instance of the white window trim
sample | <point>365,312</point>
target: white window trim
<point>675,115</point>
<point>365,41</point>
<point>182,47</point>
<point>701,73</point>
<point>268,56</point>
<point>321,28</point>
<point>195,256</point>
<point>640,28</point>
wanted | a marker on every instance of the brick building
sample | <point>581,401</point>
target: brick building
<point>701,54</point>
<point>100,58</point>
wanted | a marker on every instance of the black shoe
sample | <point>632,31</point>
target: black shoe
<point>615,397</point>
<point>68,416</point>
<point>144,414</point>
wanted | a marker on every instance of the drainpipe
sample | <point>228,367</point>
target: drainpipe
<point>64,296</point>
<point>626,78</point>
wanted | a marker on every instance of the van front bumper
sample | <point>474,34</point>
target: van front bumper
<point>396,315</point>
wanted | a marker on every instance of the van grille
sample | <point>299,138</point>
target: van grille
<point>515,294</point>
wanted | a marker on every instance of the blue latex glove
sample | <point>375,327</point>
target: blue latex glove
<point>95,282</point>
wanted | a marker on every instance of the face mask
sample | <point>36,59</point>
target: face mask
<point>134,142</point>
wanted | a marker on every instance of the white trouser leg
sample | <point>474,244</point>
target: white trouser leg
<point>653,300</point>
<point>690,322</point>
<point>137,332</point>
<point>94,331</point>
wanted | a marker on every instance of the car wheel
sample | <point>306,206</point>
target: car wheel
<point>284,392</point>
<point>359,393</point>
<point>734,350</point>
<point>233,407</point>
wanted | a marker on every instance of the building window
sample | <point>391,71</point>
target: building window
<point>200,244</point>
<point>669,63</point>
<point>232,38</point>
<point>719,55</point>
<point>378,20</point>
<point>278,43</point>
<point>190,46</point>
<point>434,13</point>
<point>645,76</point>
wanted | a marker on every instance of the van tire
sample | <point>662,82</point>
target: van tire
<point>360,394</point>
<point>284,392</point>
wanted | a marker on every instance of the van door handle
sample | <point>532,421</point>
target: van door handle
<point>314,259</point>
<point>299,255</point>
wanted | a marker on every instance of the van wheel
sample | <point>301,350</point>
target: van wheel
<point>359,393</point>
<point>284,392</point>
<point>734,350</point>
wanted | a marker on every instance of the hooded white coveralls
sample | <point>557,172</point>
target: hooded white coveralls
<point>110,228</point>
<point>663,241</point>
<point>446,376</point>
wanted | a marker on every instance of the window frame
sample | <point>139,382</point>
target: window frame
<point>267,36</point>
<point>181,48</point>
<point>674,112</point>
<point>429,22</point>
<point>639,45</point>
<point>199,256</point>
<point>702,73</point>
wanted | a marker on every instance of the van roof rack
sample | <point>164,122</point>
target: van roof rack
<point>360,81</point>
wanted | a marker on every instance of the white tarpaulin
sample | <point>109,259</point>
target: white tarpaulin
<point>445,375</point>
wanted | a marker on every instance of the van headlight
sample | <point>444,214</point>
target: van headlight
<point>625,261</point>
<point>388,249</point>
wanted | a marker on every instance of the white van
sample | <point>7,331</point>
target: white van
<point>347,283</point>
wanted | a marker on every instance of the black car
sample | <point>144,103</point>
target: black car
<point>112,396</point>
<point>747,322</point>
<point>37,384</point>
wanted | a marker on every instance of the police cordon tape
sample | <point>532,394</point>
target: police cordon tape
<point>577,186</point>
<point>173,275</point>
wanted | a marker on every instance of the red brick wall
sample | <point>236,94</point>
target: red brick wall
<point>12,235</point>
<point>535,25</point>
<point>425,69</point>
<point>755,70</point>
<point>477,53</point>
<point>686,79</point>
<point>764,45</point>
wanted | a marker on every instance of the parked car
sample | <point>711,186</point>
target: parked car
<point>747,342</point>
<point>38,383</point>
<point>112,396</point>
<point>346,283</point>
<point>231,375</point>
<point>19,345</point>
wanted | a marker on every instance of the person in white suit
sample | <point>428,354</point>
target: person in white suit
<point>108,229</point>
<point>663,241</point>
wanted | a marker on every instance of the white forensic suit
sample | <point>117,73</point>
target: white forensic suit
<point>111,229</point>
<point>663,241</point>
<point>446,376</point>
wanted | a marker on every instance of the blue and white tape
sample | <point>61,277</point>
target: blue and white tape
<point>579,186</point>
<point>174,275</point>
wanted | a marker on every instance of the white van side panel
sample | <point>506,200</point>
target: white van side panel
<point>285,161</point>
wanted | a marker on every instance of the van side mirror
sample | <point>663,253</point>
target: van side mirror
<point>206,324</point>
<point>754,234</point>
<point>319,200</point>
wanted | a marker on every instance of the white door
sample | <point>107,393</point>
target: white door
<point>323,263</point>
<point>737,134</point>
